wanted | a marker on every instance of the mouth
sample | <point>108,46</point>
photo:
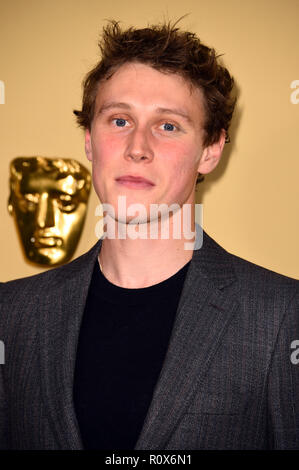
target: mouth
<point>48,242</point>
<point>134,182</point>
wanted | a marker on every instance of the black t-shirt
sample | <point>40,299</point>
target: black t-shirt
<point>122,345</point>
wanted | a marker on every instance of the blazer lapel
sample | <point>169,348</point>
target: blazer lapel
<point>60,319</point>
<point>203,314</point>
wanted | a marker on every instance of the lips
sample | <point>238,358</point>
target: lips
<point>46,241</point>
<point>134,179</point>
<point>134,182</point>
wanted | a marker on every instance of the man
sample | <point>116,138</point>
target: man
<point>142,343</point>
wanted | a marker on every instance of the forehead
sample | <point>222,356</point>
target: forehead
<point>38,182</point>
<point>143,86</point>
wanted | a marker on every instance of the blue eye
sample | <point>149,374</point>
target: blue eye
<point>169,127</point>
<point>120,122</point>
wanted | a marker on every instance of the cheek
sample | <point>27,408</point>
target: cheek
<point>179,157</point>
<point>70,225</point>
<point>105,148</point>
<point>26,221</point>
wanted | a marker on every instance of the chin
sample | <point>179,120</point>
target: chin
<point>52,257</point>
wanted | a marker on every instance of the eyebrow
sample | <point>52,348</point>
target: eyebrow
<point>113,104</point>
<point>159,110</point>
<point>175,111</point>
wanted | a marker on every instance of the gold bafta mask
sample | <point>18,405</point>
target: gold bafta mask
<point>48,199</point>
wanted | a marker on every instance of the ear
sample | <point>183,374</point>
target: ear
<point>88,149</point>
<point>10,205</point>
<point>211,155</point>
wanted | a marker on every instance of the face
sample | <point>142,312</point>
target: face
<point>49,213</point>
<point>148,124</point>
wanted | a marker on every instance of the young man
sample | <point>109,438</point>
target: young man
<point>142,343</point>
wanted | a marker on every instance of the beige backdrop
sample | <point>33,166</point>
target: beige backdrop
<point>251,200</point>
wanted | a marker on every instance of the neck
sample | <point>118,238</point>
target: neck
<point>139,260</point>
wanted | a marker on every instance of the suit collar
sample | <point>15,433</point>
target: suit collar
<point>203,314</point>
<point>214,263</point>
<point>211,261</point>
<point>59,325</point>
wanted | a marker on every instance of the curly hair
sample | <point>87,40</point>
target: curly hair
<point>168,49</point>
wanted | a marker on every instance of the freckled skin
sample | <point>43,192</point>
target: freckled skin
<point>170,145</point>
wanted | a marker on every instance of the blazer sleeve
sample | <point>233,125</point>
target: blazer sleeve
<point>283,381</point>
<point>3,415</point>
<point>3,404</point>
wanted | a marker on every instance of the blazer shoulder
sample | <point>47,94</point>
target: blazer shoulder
<point>263,281</point>
<point>50,277</point>
<point>264,295</point>
<point>245,267</point>
<point>20,299</point>
<point>251,279</point>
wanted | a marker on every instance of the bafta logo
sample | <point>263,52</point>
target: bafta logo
<point>48,200</point>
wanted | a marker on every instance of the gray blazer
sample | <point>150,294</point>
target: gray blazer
<point>227,382</point>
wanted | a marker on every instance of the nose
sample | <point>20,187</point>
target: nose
<point>45,212</point>
<point>139,147</point>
